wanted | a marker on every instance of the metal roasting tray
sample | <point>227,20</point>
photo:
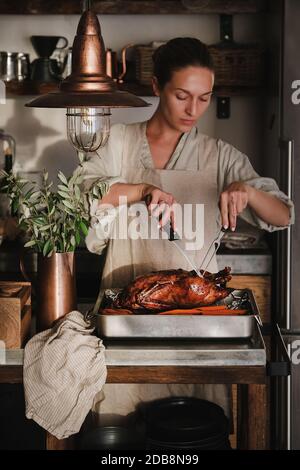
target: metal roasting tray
<point>184,326</point>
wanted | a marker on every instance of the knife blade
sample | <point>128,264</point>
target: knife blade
<point>213,248</point>
<point>174,238</point>
<point>191,263</point>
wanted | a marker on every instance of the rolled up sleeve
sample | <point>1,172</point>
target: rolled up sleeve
<point>100,229</point>
<point>235,166</point>
<point>268,185</point>
<point>102,220</point>
<point>103,167</point>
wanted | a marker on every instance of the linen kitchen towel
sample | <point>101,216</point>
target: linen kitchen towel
<point>64,368</point>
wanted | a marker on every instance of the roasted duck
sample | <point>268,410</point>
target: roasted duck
<point>165,290</point>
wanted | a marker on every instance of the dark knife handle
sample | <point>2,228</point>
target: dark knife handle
<point>172,235</point>
<point>170,231</point>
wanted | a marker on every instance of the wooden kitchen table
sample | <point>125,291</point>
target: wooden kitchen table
<point>182,362</point>
<point>252,429</point>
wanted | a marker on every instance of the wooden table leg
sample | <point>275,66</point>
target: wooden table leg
<point>52,443</point>
<point>253,413</point>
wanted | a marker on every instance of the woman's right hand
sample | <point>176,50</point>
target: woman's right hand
<point>160,204</point>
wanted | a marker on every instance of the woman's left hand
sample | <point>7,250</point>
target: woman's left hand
<point>233,200</point>
<point>160,204</point>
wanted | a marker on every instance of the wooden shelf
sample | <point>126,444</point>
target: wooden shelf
<point>119,7</point>
<point>136,88</point>
<point>37,88</point>
<point>146,90</point>
<point>237,91</point>
<point>28,87</point>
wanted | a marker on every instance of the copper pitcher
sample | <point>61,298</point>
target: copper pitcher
<point>112,64</point>
<point>56,288</point>
<point>124,62</point>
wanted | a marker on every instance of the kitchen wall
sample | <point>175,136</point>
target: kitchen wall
<point>40,133</point>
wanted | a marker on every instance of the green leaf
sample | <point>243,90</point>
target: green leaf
<point>15,206</point>
<point>60,246</point>
<point>47,247</point>
<point>35,195</point>
<point>30,243</point>
<point>28,194</point>
<point>72,180</point>
<point>77,192</point>
<point>64,195</point>
<point>68,204</point>
<point>52,249</point>
<point>84,228</point>
<point>45,227</point>
<point>40,220</point>
<point>62,187</point>
<point>68,211</point>
<point>62,178</point>
<point>77,237</point>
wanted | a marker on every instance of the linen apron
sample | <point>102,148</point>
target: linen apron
<point>128,258</point>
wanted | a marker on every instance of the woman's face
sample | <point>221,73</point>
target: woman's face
<point>185,97</point>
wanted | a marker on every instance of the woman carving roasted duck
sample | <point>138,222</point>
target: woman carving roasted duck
<point>170,153</point>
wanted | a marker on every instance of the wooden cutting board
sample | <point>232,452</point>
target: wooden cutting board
<point>15,313</point>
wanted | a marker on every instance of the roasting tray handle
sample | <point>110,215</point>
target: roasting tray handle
<point>259,322</point>
<point>92,313</point>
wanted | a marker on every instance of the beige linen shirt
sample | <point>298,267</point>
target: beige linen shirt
<point>233,165</point>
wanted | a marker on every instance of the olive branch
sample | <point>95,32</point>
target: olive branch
<point>54,221</point>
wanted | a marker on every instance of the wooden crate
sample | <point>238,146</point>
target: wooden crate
<point>15,313</point>
<point>238,65</point>
<point>144,64</point>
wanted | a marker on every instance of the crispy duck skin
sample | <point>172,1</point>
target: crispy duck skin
<point>164,290</point>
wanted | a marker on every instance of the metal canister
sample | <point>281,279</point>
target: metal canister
<point>14,66</point>
<point>23,66</point>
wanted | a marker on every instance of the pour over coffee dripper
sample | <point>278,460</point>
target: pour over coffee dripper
<point>45,69</point>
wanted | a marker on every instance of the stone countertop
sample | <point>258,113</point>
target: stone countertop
<point>173,353</point>
<point>246,262</point>
<point>250,261</point>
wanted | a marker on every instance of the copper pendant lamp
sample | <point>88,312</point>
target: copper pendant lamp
<point>88,93</point>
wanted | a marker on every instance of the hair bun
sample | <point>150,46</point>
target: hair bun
<point>177,54</point>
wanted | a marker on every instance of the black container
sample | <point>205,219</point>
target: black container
<point>111,438</point>
<point>185,423</point>
<point>45,70</point>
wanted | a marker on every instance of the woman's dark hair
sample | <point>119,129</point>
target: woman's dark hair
<point>177,54</point>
